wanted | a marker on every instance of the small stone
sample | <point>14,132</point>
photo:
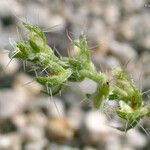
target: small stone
<point>12,102</point>
<point>7,8</point>
<point>7,66</point>
<point>67,147</point>
<point>73,95</point>
<point>10,142</point>
<point>32,118</point>
<point>55,107</point>
<point>19,120</point>
<point>144,43</point>
<point>112,62</point>
<point>146,64</point>
<point>58,22</point>
<point>132,6</point>
<point>128,28</point>
<point>146,86</point>
<point>127,148</point>
<point>27,84</point>
<point>111,14</point>
<point>75,116</point>
<point>89,148</point>
<point>52,106</point>
<point>88,86</point>
<point>113,143</point>
<point>54,146</point>
<point>37,118</point>
<point>135,28</point>
<point>32,133</point>
<point>60,129</point>
<point>36,145</point>
<point>139,139</point>
<point>97,130</point>
<point>95,122</point>
<point>123,52</point>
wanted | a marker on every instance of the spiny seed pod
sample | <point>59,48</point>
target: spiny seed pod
<point>59,71</point>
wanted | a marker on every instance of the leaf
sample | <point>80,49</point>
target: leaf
<point>35,48</point>
<point>36,30</point>
<point>118,73</point>
<point>83,53</point>
<point>22,51</point>
<point>118,94</point>
<point>54,80</point>
<point>132,119</point>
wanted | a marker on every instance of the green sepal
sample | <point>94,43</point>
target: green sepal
<point>82,53</point>
<point>54,80</point>
<point>118,94</point>
<point>22,51</point>
<point>132,119</point>
<point>35,29</point>
<point>75,66</point>
<point>118,73</point>
<point>35,48</point>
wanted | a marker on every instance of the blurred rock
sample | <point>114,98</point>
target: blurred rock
<point>95,123</point>
<point>144,42</point>
<point>100,133</point>
<point>90,148</point>
<point>38,145</point>
<point>10,142</point>
<point>75,117</point>
<point>123,52</point>
<point>131,6</point>
<point>146,125</point>
<point>146,86</point>
<point>105,63</point>
<point>112,14</point>
<point>113,143</point>
<point>39,16</point>
<point>135,28</point>
<point>60,129</point>
<point>53,107</point>
<point>54,146</point>
<point>12,102</point>
<point>73,95</point>
<point>7,66</point>
<point>111,62</point>
<point>127,148</point>
<point>8,8</point>
<point>145,57</point>
<point>88,86</point>
<point>146,71</point>
<point>139,139</point>
<point>20,120</point>
<point>28,85</point>
<point>67,147</point>
<point>32,133</point>
<point>37,118</point>
<point>33,118</point>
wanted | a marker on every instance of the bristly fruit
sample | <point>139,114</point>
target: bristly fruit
<point>59,71</point>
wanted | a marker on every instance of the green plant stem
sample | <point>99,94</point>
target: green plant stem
<point>61,70</point>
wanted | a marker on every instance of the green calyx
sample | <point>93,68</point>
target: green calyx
<point>59,71</point>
